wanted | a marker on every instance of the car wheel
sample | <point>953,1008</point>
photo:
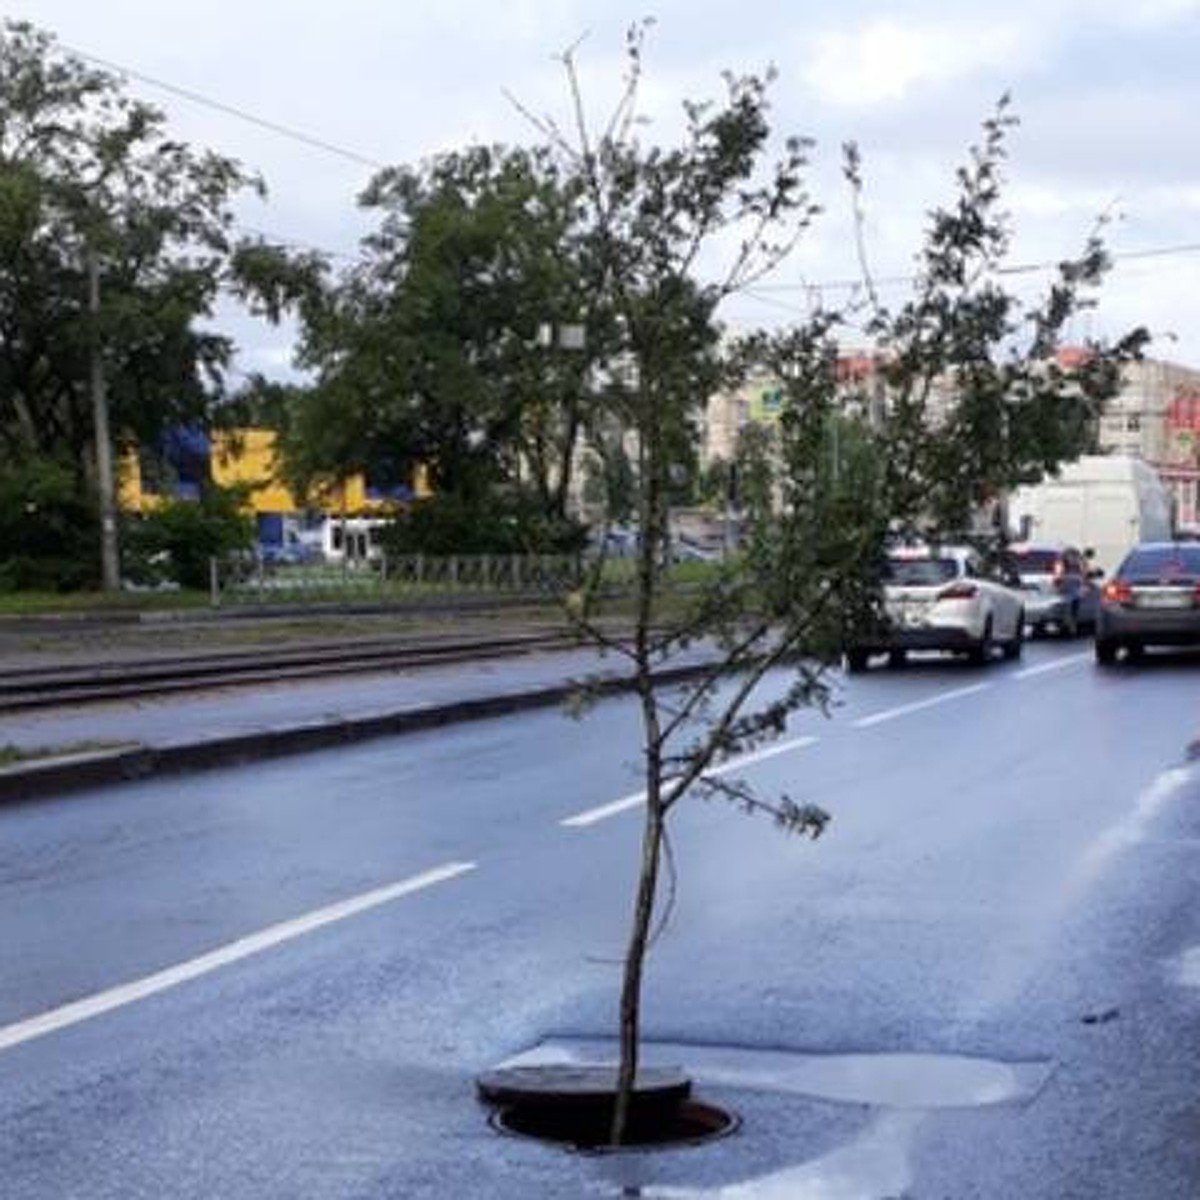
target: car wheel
<point>1106,651</point>
<point>856,661</point>
<point>1016,644</point>
<point>981,653</point>
<point>897,658</point>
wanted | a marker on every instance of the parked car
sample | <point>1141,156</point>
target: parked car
<point>1060,586</point>
<point>945,599</point>
<point>1152,600</point>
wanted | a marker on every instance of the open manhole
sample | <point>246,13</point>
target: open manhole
<point>572,1105</point>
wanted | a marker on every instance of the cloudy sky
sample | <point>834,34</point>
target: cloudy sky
<point>1107,92</point>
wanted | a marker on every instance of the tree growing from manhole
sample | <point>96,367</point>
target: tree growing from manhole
<point>960,393</point>
<point>522,309</point>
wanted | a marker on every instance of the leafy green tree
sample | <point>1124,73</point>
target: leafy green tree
<point>45,528</point>
<point>612,485</point>
<point>975,400</point>
<point>443,348</point>
<point>753,479</point>
<point>86,172</point>
<point>180,537</point>
<point>650,214</point>
<point>511,524</point>
<point>837,474</point>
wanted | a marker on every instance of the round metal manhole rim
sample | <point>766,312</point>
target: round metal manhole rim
<point>688,1129</point>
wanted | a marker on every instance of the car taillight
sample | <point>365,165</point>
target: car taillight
<point>958,591</point>
<point>1116,592</point>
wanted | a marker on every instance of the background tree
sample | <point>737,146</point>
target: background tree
<point>86,171</point>
<point>178,539</point>
<point>443,348</point>
<point>46,528</point>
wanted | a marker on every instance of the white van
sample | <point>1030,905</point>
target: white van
<point>1103,503</point>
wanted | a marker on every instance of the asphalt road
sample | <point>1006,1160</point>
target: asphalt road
<point>280,981</point>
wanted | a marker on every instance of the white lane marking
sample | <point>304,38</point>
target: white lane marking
<point>255,943</point>
<point>593,816</point>
<point>1057,665</point>
<point>603,811</point>
<point>1025,954</point>
<point>744,760</point>
<point>1129,831</point>
<point>890,714</point>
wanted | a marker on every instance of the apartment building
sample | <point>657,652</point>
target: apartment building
<point>1156,417</point>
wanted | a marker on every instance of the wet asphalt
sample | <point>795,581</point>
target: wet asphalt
<point>1011,873</point>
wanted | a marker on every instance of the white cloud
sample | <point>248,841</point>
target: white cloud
<point>1103,89</point>
<point>884,60</point>
<point>1047,200</point>
<point>1150,14</point>
<point>1156,213</point>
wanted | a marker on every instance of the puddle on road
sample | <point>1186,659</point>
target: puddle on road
<point>875,1166</point>
<point>894,1081</point>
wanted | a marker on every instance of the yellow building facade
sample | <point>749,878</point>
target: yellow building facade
<point>249,458</point>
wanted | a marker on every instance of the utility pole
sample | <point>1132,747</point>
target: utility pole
<point>110,558</point>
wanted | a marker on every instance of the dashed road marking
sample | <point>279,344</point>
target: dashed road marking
<point>1058,664</point>
<point>593,816</point>
<point>255,943</point>
<point>903,710</point>
<point>602,812</point>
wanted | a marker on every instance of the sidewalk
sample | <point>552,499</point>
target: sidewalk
<point>110,743</point>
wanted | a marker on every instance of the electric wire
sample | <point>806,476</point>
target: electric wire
<point>761,293</point>
<point>231,110</point>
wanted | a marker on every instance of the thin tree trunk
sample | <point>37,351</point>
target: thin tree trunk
<point>649,443</point>
<point>635,955</point>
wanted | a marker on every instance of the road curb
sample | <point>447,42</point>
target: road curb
<point>41,778</point>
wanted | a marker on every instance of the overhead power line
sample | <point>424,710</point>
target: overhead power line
<point>317,143</point>
<point>230,110</point>
<point>1013,269</point>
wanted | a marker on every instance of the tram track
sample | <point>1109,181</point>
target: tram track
<point>59,686</point>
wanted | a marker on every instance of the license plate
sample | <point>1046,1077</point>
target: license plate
<point>1164,600</point>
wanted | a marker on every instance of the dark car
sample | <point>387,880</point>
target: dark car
<point>1152,600</point>
<point>1061,583</point>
